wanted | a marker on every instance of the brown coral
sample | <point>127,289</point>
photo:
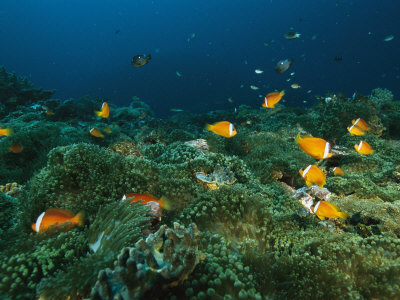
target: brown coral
<point>220,176</point>
<point>11,189</point>
<point>164,259</point>
<point>126,148</point>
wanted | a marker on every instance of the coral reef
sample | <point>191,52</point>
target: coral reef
<point>165,259</point>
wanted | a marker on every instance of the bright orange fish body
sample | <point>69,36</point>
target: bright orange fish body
<point>104,112</point>
<point>57,217</point>
<point>315,147</point>
<point>363,148</point>
<point>325,209</point>
<point>146,198</point>
<point>223,128</point>
<point>5,131</point>
<point>313,175</point>
<point>96,133</point>
<point>355,130</point>
<point>337,171</point>
<point>272,98</point>
<point>361,124</point>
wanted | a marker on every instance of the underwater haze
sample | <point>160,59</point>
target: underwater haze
<point>203,52</point>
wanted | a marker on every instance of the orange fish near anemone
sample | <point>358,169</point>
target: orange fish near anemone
<point>96,133</point>
<point>315,147</point>
<point>363,148</point>
<point>361,124</point>
<point>337,171</point>
<point>313,175</point>
<point>6,131</point>
<point>272,98</point>
<point>355,130</point>
<point>223,128</point>
<point>325,209</point>
<point>57,217</point>
<point>104,112</point>
<point>146,198</point>
<point>15,148</point>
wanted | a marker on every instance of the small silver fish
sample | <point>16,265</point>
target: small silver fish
<point>254,87</point>
<point>258,71</point>
<point>283,65</point>
<point>388,38</point>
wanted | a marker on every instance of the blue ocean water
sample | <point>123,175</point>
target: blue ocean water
<point>85,48</point>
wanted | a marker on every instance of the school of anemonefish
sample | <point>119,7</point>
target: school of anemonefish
<point>315,147</point>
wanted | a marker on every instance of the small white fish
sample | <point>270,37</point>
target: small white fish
<point>287,80</point>
<point>176,110</point>
<point>388,38</point>
<point>230,100</point>
<point>179,74</point>
<point>292,74</point>
<point>309,91</point>
<point>295,86</point>
<point>254,87</point>
<point>191,37</point>
<point>258,71</point>
<point>304,101</point>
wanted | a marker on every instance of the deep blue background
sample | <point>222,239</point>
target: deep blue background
<point>72,46</point>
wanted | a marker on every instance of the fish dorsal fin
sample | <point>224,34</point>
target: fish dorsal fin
<point>148,194</point>
<point>59,212</point>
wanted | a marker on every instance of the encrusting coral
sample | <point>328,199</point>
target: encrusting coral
<point>164,259</point>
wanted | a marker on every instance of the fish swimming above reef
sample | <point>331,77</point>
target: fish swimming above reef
<point>313,175</point>
<point>337,171</point>
<point>223,128</point>
<point>57,217</point>
<point>146,198</point>
<point>315,147</point>
<point>140,60</point>
<point>355,130</point>
<point>361,124</point>
<point>96,133</point>
<point>15,148</point>
<point>272,98</point>
<point>325,209</point>
<point>104,112</point>
<point>6,131</point>
<point>295,86</point>
<point>283,65</point>
<point>291,35</point>
<point>363,148</point>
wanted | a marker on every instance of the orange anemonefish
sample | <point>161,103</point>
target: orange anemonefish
<point>6,131</point>
<point>15,148</point>
<point>104,112</point>
<point>363,148</point>
<point>315,147</point>
<point>49,112</point>
<point>272,98</point>
<point>146,198</point>
<point>361,124</point>
<point>313,175</point>
<point>324,209</point>
<point>57,217</point>
<point>337,171</point>
<point>95,132</point>
<point>355,130</point>
<point>223,128</point>
<point>107,130</point>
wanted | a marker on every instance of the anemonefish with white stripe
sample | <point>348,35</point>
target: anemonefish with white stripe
<point>325,209</point>
<point>57,217</point>
<point>363,148</point>
<point>337,171</point>
<point>313,175</point>
<point>355,130</point>
<point>361,124</point>
<point>315,147</point>
<point>272,98</point>
<point>223,128</point>
<point>104,112</point>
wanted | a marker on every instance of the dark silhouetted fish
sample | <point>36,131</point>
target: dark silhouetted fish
<point>140,60</point>
<point>283,65</point>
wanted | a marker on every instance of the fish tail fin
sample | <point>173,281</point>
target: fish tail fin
<point>282,93</point>
<point>165,203</point>
<point>79,218</point>
<point>8,131</point>
<point>209,127</point>
<point>148,56</point>
<point>98,113</point>
<point>297,139</point>
<point>343,215</point>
